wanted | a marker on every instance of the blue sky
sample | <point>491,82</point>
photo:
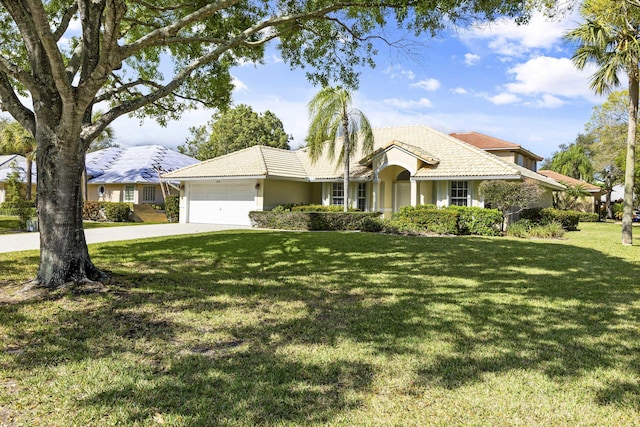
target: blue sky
<point>513,82</point>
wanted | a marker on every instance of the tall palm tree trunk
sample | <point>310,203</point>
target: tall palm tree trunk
<point>28,177</point>
<point>629,175</point>
<point>347,154</point>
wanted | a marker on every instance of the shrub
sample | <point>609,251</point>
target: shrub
<point>617,210</point>
<point>478,221</point>
<point>117,212</point>
<point>91,211</point>
<point>428,218</point>
<point>528,229</point>
<point>25,210</point>
<point>589,217</point>
<point>568,219</point>
<point>172,207</point>
<point>319,221</point>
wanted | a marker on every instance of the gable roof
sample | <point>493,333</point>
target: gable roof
<point>444,157</point>
<point>141,164</point>
<point>489,143</point>
<point>255,161</point>
<point>570,180</point>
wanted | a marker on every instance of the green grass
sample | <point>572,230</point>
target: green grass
<point>9,224</point>
<point>268,328</point>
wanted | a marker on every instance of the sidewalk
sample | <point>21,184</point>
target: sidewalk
<point>31,241</point>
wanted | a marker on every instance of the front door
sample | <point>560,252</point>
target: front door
<point>402,195</point>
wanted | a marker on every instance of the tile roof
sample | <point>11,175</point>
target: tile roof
<point>254,161</point>
<point>487,142</point>
<point>133,164</point>
<point>446,158</point>
<point>564,179</point>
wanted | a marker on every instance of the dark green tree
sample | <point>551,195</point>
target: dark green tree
<point>234,129</point>
<point>160,58</point>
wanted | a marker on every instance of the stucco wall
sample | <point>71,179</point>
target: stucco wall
<point>115,193</point>
<point>278,192</point>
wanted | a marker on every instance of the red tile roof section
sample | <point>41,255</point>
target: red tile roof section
<point>484,142</point>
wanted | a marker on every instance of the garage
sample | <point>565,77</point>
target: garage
<point>221,203</point>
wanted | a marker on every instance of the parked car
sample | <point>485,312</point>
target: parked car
<point>636,216</point>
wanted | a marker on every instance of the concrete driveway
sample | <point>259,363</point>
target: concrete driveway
<point>30,241</point>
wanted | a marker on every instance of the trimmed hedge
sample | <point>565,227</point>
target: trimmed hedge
<point>117,212</point>
<point>478,221</point>
<point>568,219</point>
<point>316,221</point>
<point>428,218</point>
<point>589,217</point>
<point>451,220</point>
<point>110,211</point>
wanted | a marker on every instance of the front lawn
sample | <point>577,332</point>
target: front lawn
<point>295,328</point>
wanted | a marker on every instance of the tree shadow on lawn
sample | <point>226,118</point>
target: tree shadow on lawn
<point>498,304</point>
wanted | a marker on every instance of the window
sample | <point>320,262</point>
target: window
<point>362,196</point>
<point>128,193</point>
<point>149,193</point>
<point>459,193</point>
<point>520,160</point>
<point>337,194</point>
<point>101,191</point>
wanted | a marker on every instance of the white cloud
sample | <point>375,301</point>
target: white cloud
<point>471,59</point>
<point>506,37</point>
<point>549,101</point>
<point>553,76</point>
<point>459,91</point>
<point>503,98</point>
<point>408,104</point>
<point>239,85</point>
<point>427,84</point>
<point>396,71</point>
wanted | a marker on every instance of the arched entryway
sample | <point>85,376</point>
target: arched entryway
<point>394,189</point>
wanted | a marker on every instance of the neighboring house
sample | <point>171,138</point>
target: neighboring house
<point>131,174</point>
<point>6,168</point>
<point>410,165</point>
<point>508,151</point>
<point>589,203</point>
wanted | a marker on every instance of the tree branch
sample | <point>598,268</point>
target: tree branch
<point>10,102</point>
<point>64,23</point>
<point>50,47</point>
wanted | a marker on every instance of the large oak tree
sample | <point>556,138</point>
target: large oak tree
<point>160,57</point>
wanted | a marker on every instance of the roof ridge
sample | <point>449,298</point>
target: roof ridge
<point>263,162</point>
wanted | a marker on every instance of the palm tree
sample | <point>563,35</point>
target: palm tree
<point>609,40</point>
<point>332,117</point>
<point>17,140</point>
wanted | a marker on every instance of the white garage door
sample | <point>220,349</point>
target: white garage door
<point>223,203</point>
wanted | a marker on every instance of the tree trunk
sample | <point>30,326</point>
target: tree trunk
<point>28,178</point>
<point>64,256</point>
<point>347,155</point>
<point>627,211</point>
